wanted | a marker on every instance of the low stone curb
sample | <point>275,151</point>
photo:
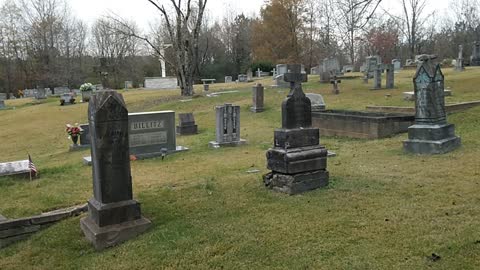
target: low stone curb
<point>14,230</point>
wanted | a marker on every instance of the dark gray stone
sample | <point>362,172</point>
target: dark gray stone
<point>431,133</point>
<point>227,126</point>
<point>335,83</point>
<point>316,102</point>
<point>298,162</point>
<point>85,136</point>
<point>296,183</point>
<point>475,58</point>
<point>114,216</point>
<point>4,242</point>
<point>186,124</point>
<point>390,70</point>
<point>152,133</point>
<point>377,77</point>
<point>459,65</point>
<point>257,97</point>
<point>365,125</point>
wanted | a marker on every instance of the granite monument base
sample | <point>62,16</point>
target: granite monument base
<point>431,139</point>
<point>296,183</point>
<point>108,236</point>
<point>214,144</point>
<point>256,109</point>
<point>187,130</point>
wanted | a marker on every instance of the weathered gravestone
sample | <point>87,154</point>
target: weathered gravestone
<point>40,93</point>
<point>114,216</point>
<point>242,78</point>
<point>475,58</point>
<point>298,162</point>
<point>317,102</point>
<point>128,84</point>
<point>3,96</point>
<point>431,134</point>
<point>390,74</point>
<point>377,77</point>
<point>85,136</point>
<point>459,66</point>
<point>153,134</point>
<point>227,126</point>
<point>19,168</point>
<point>371,65</point>
<point>257,96</point>
<point>335,83</point>
<point>397,65</point>
<point>67,99</point>
<point>329,68</point>
<point>228,79</point>
<point>187,124</point>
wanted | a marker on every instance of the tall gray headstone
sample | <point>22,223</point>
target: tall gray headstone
<point>114,216</point>
<point>431,133</point>
<point>475,58</point>
<point>227,126</point>
<point>377,77</point>
<point>3,96</point>
<point>397,65</point>
<point>459,66</point>
<point>371,64</point>
<point>390,74</point>
<point>257,97</point>
<point>297,162</point>
<point>85,136</point>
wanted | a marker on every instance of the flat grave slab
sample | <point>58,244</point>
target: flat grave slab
<point>15,168</point>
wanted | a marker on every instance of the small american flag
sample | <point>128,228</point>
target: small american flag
<point>31,166</point>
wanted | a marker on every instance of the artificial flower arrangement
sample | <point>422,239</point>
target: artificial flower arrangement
<point>86,87</point>
<point>73,132</point>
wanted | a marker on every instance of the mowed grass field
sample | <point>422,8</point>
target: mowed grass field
<point>383,209</point>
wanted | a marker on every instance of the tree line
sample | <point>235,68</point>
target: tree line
<point>44,44</point>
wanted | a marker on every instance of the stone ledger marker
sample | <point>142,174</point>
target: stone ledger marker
<point>431,134</point>
<point>114,216</point>
<point>298,162</point>
<point>257,96</point>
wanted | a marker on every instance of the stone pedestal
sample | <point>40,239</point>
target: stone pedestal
<point>297,161</point>
<point>431,139</point>
<point>114,216</point>
<point>257,97</point>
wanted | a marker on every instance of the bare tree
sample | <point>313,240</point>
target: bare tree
<point>413,20</point>
<point>352,17</point>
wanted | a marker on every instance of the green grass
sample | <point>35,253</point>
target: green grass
<point>383,209</point>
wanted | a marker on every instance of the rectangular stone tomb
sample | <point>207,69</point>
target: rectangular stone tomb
<point>152,134</point>
<point>364,125</point>
<point>16,168</point>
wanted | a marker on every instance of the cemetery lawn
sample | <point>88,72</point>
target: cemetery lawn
<point>383,209</point>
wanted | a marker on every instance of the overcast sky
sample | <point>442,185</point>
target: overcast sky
<point>143,13</point>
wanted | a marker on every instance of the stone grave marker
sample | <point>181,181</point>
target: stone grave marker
<point>3,96</point>
<point>40,93</point>
<point>187,124</point>
<point>227,126</point>
<point>257,96</point>
<point>19,168</point>
<point>85,136</point>
<point>114,216</point>
<point>335,83</point>
<point>228,79</point>
<point>390,71</point>
<point>317,102</point>
<point>431,134</point>
<point>128,84</point>
<point>58,91</point>
<point>67,99</point>
<point>371,65</point>
<point>397,65</point>
<point>377,77</point>
<point>152,134</point>
<point>297,162</point>
<point>459,65</point>
<point>475,58</point>
<point>242,78</point>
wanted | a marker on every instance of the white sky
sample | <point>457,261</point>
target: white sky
<point>144,13</point>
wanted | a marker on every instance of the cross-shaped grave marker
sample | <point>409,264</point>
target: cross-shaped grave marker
<point>296,109</point>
